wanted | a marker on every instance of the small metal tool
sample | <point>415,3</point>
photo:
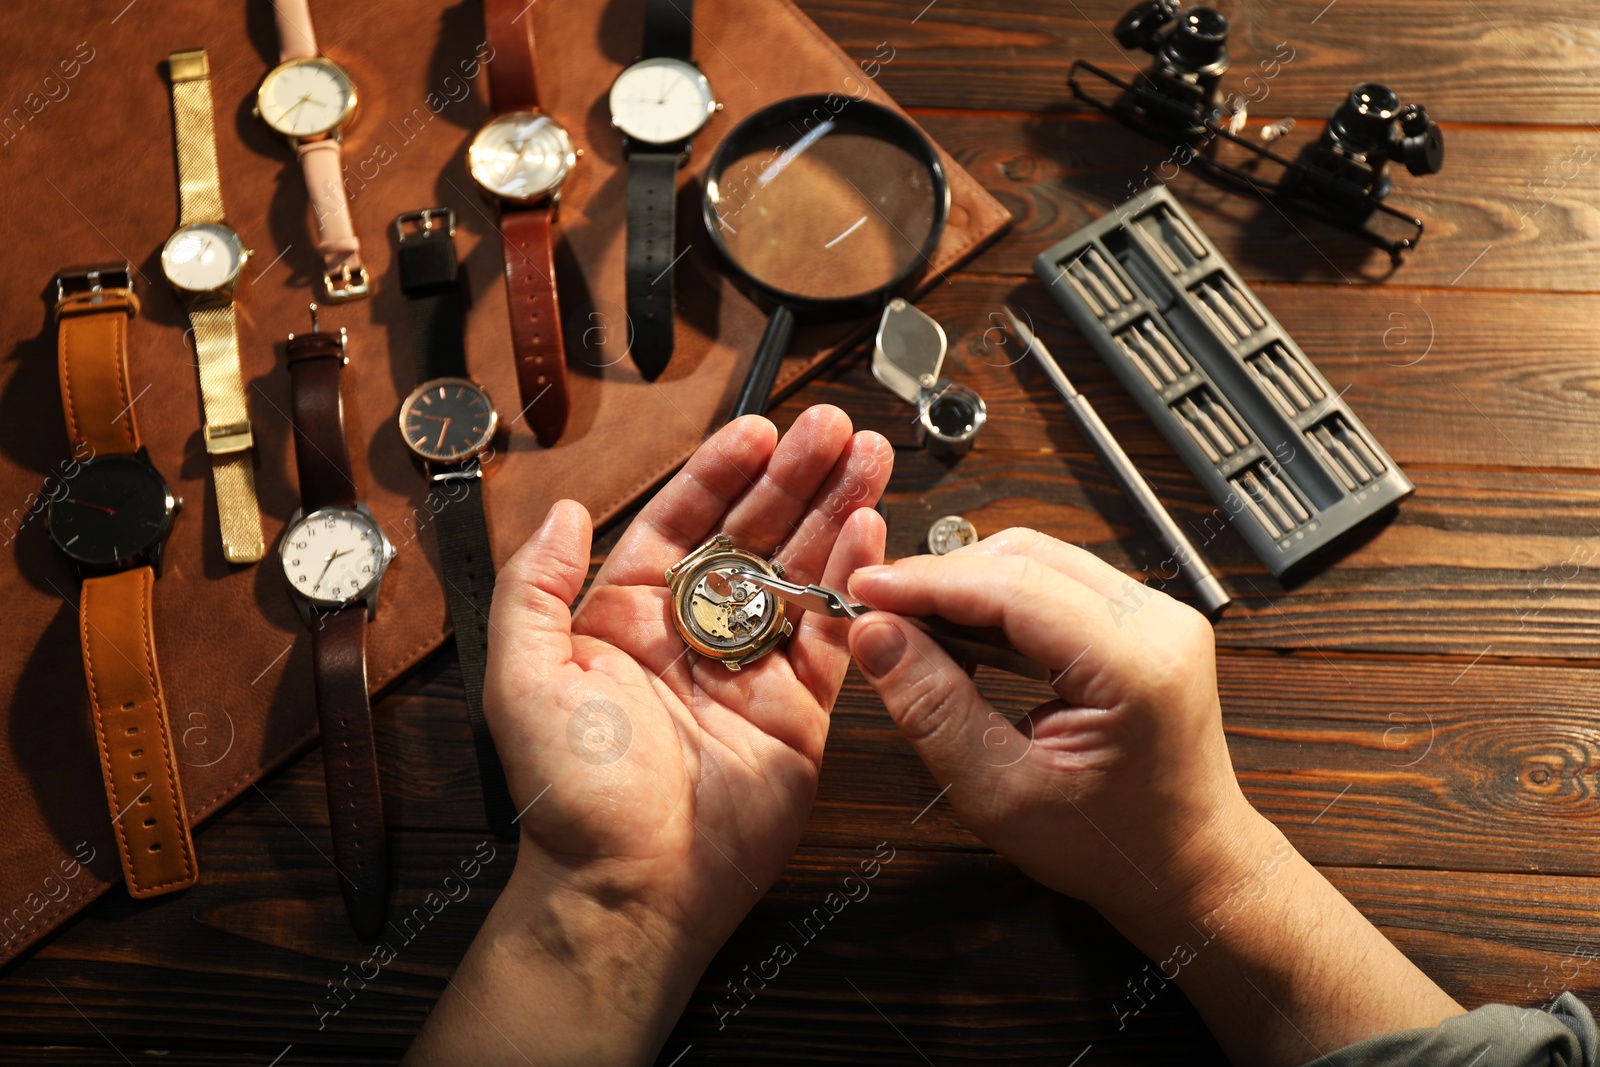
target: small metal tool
<point>906,359</point>
<point>966,644</point>
<point>1209,594</point>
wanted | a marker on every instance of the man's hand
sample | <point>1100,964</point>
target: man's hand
<point>661,793</point>
<point>1112,792</point>
<point>1120,792</point>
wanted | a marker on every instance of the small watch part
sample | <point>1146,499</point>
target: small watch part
<point>950,533</point>
<point>718,613</point>
<point>906,359</point>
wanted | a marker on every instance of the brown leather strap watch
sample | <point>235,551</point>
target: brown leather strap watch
<point>334,555</point>
<point>112,523</point>
<point>521,156</point>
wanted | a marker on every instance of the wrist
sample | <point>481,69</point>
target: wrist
<point>565,973</point>
<point>1229,862</point>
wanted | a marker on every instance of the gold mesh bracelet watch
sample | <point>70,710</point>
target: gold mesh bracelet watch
<point>203,259</point>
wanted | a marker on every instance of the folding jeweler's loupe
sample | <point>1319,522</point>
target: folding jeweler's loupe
<point>906,359</point>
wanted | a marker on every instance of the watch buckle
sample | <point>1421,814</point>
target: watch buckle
<point>86,288</point>
<point>228,437</point>
<point>425,220</point>
<point>346,284</point>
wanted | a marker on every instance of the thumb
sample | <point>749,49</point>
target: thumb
<point>534,592</point>
<point>935,704</point>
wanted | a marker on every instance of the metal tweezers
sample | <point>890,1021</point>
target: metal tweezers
<point>966,644</point>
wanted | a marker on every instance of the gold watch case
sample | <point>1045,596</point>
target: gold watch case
<point>724,618</point>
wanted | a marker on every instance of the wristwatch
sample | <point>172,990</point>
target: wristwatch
<point>448,422</point>
<point>334,554</point>
<point>309,99</point>
<point>658,104</point>
<point>202,259</point>
<point>112,525</point>
<point>520,157</point>
<point>723,617</point>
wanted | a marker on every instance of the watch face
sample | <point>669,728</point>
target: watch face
<point>334,555</point>
<point>203,257</point>
<point>521,155</point>
<point>719,614</point>
<point>115,510</point>
<point>448,420</point>
<point>306,97</point>
<point>661,101</point>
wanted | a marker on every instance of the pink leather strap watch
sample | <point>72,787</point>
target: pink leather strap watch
<point>309,99</point>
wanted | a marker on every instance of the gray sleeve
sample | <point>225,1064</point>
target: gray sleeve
<point>1496,1035</point>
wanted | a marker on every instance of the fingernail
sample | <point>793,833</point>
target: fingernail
<point>866,574</point>
<point>879,648</point>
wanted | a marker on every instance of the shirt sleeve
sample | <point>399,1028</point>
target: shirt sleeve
<point>1496,1035</point>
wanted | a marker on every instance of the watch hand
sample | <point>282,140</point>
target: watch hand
<point>331,557</point>
<point>88,504</point>
<point>445,425</point>
<point>297,106</point>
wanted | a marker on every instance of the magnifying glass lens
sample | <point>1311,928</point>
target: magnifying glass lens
<point>824,210</point>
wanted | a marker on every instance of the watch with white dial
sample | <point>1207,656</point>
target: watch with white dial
<point>334,555</point>
<point>658,104</point>
<point>203,259</point>
<point>723,616</point>
<point>521,157</point>
<point>309,99</point>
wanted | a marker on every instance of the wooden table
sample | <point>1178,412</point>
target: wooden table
<point>1416,716</point>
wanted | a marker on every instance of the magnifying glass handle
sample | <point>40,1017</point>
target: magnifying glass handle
<point>764,371</point>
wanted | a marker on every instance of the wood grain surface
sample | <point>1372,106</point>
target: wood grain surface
<point>1418,714</point>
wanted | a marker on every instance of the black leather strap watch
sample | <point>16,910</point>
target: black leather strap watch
<point>658,104</point>
<point>448,422</point>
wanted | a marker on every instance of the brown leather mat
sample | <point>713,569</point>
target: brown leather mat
<point>86,150</point>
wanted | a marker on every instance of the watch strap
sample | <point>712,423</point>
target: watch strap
<point>669,29</point>
<point>228,437</point>
<point>296,38</point>
<point>350,764</point>
<point>513,81</point>
<point>316,410</point>
<point>199,187</point>
<point>536,342</point>
<point>344,276</point>
<point>92,361</point>
<point>652,194</point>
<point>468,568</point>
<point>137,758</point>
<point>430,278</point>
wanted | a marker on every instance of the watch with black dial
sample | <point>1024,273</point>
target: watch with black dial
<point>334,555</point>
<point>203,259</point>
<point>521,157</point>
<point>309,100</point>
<point>448,422</point>
<point>658,104</point>
<point>112,522</point>
<point>721,615</point>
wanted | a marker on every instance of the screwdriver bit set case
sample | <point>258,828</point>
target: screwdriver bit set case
<point>1275,446</point>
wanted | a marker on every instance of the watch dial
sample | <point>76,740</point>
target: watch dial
<point>725,612</point>
<point>203,257</point>
<point>661,101</point>
<point>332,556</point>
<point>448,420</point>
<point>116,509</point>
<point>306,97</point>
<point>522,155</point>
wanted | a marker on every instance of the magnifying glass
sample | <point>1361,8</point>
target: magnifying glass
<point>824,204</point>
